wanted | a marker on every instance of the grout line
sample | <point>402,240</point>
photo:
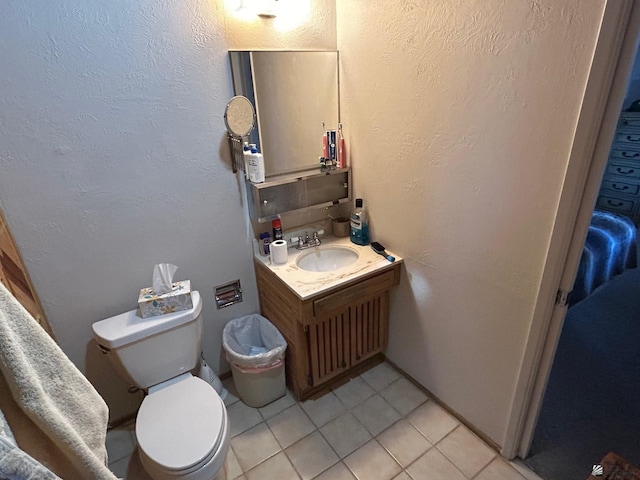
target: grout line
<point>350,411</point>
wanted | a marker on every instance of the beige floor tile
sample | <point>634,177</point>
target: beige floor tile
<point>345,434</point>
<point>323,409</point>
<point>354,392</point>
<point>232,466</point>
<point>277,406</point>
<point>290,426</point>
<point>403,476</point>
<point>120,443</point>
<point>135,470</point>
<point>499,469</point>
<point>434,466</point>
<point>381,376</point>
<point>376,414</point>
<point>404,442</point>
<point>306,440</point>
<point>432,421</point>
<point>119,468</point>
<point>372,462</point>
<point>242,418</point>
<point>337,472</point>
<point>232,394</point>
<point>466,451</point>
<point>277,467</point>
<point>311,455</point>
<point>403,395</point>
<point>254,446</point>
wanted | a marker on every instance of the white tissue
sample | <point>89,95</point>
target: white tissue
<point>163,278</point>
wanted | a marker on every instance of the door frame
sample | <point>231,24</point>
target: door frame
<point>604,94</point>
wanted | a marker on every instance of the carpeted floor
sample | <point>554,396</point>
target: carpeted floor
<point>592,403</point>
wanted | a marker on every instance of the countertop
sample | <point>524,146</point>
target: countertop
<point>306,284</point>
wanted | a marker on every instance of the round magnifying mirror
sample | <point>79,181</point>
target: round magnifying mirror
<point>239,116</point>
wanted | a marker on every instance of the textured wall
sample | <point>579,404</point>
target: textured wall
<point>300,25</point>
<point>460,160</point>
<point>112,157</point>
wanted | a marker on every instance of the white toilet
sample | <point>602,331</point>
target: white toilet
<point>181,427</point>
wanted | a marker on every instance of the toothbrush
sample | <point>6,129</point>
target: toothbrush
<point>379,249</point>
<point>342,159</point>
<point>325,143</point>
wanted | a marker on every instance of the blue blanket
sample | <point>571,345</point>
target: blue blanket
<point>610,248</point>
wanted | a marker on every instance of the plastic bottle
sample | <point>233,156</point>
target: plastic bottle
<point>276,225</point>
<point>359,224</point>
<point>265,241</point>
<point>256,166</point>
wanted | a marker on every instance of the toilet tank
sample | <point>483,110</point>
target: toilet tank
<point>149,351</point>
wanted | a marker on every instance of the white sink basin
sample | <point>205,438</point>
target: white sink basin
<point>327,259</point>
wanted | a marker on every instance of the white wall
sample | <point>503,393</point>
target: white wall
<point>112,157</point>
<point>458,117</point>
<point>460,160</point>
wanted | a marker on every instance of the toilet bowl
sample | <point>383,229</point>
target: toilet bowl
<point>182,430</point>
<point>181,427</point>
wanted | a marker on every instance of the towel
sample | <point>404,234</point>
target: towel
<point>18,465</point>
<point>51,391</point>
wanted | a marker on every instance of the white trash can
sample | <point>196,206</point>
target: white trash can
<point>255,349</point>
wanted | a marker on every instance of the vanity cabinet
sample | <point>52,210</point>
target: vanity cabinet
<point>332,333</point>
<point>620,188</point>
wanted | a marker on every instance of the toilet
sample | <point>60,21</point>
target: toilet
<point>181,427</point>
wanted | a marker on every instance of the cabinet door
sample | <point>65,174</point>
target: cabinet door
<point>350,326</point>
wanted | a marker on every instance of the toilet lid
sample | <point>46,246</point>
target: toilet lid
<point>180,425</point>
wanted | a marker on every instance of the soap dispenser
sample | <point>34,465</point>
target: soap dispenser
<point>359,224</point>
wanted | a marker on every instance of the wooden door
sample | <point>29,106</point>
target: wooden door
<point>15,277</point>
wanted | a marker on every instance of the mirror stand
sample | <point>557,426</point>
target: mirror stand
<point>237,155</point>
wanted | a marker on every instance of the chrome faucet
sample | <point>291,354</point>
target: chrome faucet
<point>308,242</point>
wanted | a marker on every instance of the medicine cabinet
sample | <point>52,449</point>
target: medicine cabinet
<point>295,95</point>
<point>313,189</point>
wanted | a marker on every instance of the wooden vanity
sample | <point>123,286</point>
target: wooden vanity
<point>334,331</point>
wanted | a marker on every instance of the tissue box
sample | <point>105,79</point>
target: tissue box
<point>179,298</point>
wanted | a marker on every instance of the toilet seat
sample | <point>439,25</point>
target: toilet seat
<point>180,425</point>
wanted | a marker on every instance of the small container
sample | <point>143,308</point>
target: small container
<point>331,142</point>
<point>276,225</point>
<point>265,241</point>
<point>341,226</point>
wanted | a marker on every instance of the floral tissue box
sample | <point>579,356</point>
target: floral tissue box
<point>179,298</point>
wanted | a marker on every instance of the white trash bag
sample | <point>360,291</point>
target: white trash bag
<point>253,341</point>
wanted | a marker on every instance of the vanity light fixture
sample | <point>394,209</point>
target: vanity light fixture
<point>268,8</point>
<point>262,8</point>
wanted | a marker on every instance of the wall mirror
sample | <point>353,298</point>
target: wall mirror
<point>293,92</point>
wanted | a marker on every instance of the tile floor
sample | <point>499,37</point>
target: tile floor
<point>378,426</point>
